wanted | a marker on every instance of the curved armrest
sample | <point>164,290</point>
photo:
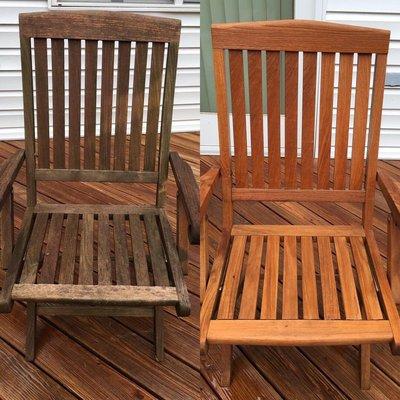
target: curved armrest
<point>391,191</point>
<point>207,183</point>
<point>189,190</point>
<point>8,172</point>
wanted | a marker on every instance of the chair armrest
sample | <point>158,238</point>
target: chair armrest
<point>207,183</point>
<point>189,190</point>
<point>391,192</point>
<point>8,172</point>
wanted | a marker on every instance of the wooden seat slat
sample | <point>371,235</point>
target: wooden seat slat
<point>67,266</point>
<point>156,251</point>
<point>289,298</point>
<point>48,270</point>
<point>121,251</point>
<point>33,253</point>
<point>270,288</point>
<point>104,261</point>
<point>366,281</point>
<point>248,304</point>
<point>139,253</point>
<point>233,272</point>
<point>328,282</point>
<point>309,283</point>
<point>86,251</point>
<point>347,284</point>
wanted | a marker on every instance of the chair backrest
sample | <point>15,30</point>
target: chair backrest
<point>83,86</point>
<point>266,53</point>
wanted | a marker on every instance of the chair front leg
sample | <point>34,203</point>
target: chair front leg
<point>365,366</point>
<point>393,267</point>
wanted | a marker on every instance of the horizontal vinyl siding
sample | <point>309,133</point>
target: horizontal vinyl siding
<point>187,95</point>
<point>384,14</point>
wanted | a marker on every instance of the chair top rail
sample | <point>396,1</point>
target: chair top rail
<point>99,25</point>
<point>300,35</point>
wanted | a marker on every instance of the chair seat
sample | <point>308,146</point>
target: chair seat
<point>298,285</point>
<point>94,254</point>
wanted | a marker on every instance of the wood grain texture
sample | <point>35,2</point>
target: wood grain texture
<point>157,58</point>
<point>328,284</point>
<point>107,76</point>
<point>309,283</point>
<point>291,94</point>
<point>256,119</point>
<point>308,118</point>
<point>74,85</point>
<point>270,288</point>
<point>86,251</point>
<point>289,300</point>
<point>360,120</point>
<point>42,103</point>
<point>57,59</point>
<point>99,25</point>
<point>274,118</point>
<point>232,279</point>
<point>137,104</point>
<point>238,116</point>
<point>325,119</point>
<point>90,103</point>
<point>298,35</point>
<point>248,304</point>
<point>121,114</point>
<point>343,120</point>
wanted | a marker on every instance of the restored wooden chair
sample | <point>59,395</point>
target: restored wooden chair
<point>77,259</point>
<point>276,285</point>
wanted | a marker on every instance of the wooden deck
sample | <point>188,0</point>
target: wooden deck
<point>112,358</point>
<point>102,358</point>
<point>313,372</point>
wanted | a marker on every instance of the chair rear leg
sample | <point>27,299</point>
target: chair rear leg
<point>365,366</point>
<point>159,333</point>
<point>226,363</point>
<point>30,331</point>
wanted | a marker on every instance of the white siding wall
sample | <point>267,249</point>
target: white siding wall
<point>383,14</point>
<point>187,95</point>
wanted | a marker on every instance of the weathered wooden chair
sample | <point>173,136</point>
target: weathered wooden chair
<point>298,302</point>
<point>76,259</point>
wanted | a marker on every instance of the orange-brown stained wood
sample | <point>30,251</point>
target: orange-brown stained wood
<point>256,118</point>
<point>238,116</point>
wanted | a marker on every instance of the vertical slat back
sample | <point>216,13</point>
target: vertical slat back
<point>157,58</point>
<point>325,120</point>
<point>74,69</point>
<point>107,78</point>
<point>305,137</point>
<point>256,118</point>
<point>42,102</point>
<point>291,84</point>
<point>91,92</point>
<point>91,47</point>
<point>274,115</point>
<point>57,56</point>
<point>238,116</point>
<point>308,121</point>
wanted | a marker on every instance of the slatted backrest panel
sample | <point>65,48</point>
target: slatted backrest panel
<point>90,80</point>
<point>308,149</point>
